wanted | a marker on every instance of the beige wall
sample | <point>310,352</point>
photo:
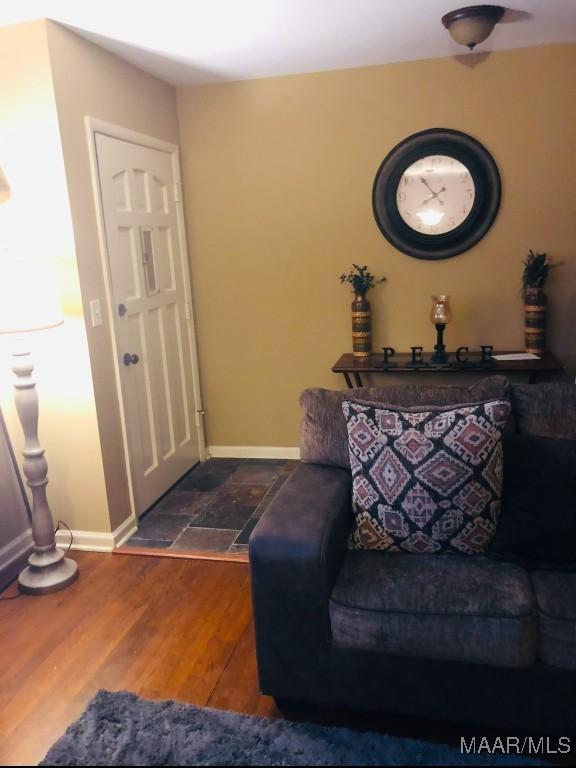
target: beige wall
<point>91,81</point>
<point>278,176</point>
<point>37,223</point>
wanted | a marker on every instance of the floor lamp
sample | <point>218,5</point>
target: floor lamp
<point>27,306</point>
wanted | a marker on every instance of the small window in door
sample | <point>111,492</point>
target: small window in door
<point>149,260</point>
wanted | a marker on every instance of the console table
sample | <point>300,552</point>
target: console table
<point>353,367</point>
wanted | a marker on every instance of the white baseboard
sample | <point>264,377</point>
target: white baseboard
<point>93,541</point>
<point>13,557</point>
<point>252,452</point>
<point>86,541</point>
<point>125,530</point>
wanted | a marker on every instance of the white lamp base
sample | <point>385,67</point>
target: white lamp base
<point>47,572</point>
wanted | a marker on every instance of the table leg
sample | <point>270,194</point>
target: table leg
<point>348,380</point>
<point>357,379</point>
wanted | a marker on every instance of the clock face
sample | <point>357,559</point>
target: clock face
<point>435,194</point>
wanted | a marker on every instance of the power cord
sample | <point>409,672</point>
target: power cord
<point>58,528</point>
<point>61,524</point>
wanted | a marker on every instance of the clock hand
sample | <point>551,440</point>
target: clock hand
<point>432,196</point>
<point>425,182</point>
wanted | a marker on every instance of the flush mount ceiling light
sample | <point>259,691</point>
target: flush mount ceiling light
<point>472,25</point>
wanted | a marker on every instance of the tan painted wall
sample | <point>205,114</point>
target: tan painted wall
<point>38,218</point>
<point>91,81</point>
<point>278,176</point>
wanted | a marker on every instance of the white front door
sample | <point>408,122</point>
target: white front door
<point>153,314</point>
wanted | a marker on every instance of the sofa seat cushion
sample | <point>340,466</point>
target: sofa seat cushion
<point>450,607</point>
<point>556,599</point>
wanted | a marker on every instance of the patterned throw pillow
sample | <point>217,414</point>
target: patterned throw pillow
<point>426,479</point>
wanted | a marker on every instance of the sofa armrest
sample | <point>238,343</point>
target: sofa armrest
<point>299,543</point>
<point>296,551</point>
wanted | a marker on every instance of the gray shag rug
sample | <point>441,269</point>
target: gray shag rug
<point>122,729</point>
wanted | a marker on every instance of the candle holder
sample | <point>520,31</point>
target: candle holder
<point>440,316</point>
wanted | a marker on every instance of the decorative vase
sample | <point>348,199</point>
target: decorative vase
<point>535,304</point>
<point>361,326</point>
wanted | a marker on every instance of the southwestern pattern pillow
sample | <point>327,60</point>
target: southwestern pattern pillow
<point>426,479</point>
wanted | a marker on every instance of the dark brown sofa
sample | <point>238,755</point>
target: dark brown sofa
<point>473,640</point>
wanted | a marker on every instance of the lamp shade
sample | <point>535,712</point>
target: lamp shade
<point>28,296</point>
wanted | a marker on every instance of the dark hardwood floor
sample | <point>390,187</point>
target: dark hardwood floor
<point>162,628</point>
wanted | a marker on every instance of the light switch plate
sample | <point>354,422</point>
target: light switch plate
<point>96,313</point>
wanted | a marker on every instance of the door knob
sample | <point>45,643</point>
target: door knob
<point>130,359</point>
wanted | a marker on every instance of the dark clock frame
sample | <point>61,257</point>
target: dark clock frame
<point>484,172</point>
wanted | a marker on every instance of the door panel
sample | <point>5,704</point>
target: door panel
<point>148,273</point>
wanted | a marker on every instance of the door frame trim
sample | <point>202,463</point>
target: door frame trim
<point>93,127</point>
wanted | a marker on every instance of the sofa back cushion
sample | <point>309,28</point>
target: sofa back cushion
<point>426,480</point>
<point>537,527</point>
<point>323,436</point>
<point>545,410</point>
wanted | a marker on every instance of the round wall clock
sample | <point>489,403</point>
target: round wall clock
<point>436,194</point>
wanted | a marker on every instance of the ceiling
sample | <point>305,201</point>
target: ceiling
<point>201,41</point>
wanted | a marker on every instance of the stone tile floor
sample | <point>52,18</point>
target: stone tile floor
<point>214,508</point>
